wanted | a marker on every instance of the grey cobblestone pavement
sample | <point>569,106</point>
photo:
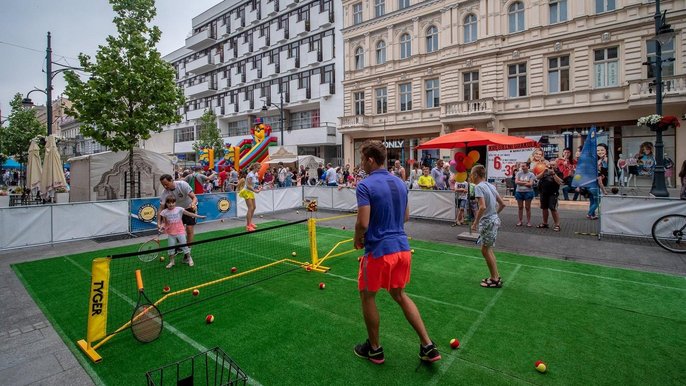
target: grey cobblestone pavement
<point>32,353</point>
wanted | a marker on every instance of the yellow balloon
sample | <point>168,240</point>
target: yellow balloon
<point>461,177</point>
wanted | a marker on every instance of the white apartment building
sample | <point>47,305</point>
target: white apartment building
<point>419,69</point>
<point>243,55</point>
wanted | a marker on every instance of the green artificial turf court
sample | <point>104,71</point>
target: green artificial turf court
<point>590,324</point>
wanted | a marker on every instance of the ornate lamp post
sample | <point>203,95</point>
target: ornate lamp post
<point>50,75</point>
<point>663,35</point>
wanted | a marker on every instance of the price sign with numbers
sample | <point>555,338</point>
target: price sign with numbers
<point>502,160</point>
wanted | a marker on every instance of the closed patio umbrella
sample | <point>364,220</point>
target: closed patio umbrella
<point>34,169</point>
<point>53,174</point>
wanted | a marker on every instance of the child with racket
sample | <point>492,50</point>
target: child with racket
<point>170,223</point>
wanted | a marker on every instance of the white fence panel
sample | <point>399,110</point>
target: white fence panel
<point>25,225</point>
<point>634,216</point>
<point>323,194</point>
<point>264,202</point>
<point>89,219</point>
<point>432,204</point>
<point>287,198</point>
<point>345,199</point>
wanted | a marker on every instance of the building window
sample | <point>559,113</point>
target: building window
<point>470,85</point>
<point>406,97</point>
<point>357,13</point>
<point>431,39</point>
<point>558,74</point>
<point>238,128</point>
<point>604,6</point>
<point>304,120</point>
<point>606,66</point>
<point>359,58</point>
<point>358,99</point>
<point>381,100</point>
<point>470,28</point>
<point>667,55</point>
<point>516,80</point>
<point>433,98</point>
<point>403,4</point>
<point>515,17</point>
<point>379,8</point>
<point>558,11</point>
<point>405,46</point>
<point>381,52</point>
<point>185,135</point>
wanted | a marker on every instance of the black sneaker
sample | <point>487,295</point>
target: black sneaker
<point>430,353</point>
<point>364,350</point>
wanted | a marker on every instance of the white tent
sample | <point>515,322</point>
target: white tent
<point>100,176</point>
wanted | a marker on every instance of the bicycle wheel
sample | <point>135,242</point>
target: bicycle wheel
<point>669,232</point>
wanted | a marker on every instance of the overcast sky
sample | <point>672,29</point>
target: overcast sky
<point>76,26</point>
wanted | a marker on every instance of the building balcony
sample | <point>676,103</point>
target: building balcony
<point>327,48</point>
<point>251,16</point>
<point>642,91</point>
<point>260,41</point>
<point>201,65</point>
<point>200,90</point>
<point>326,90</point>
<point>219,111</point>
<point>355,122</point>
<point>269,8</point>
<point>473,110</point>
<point>201,40</point>
<point>223,83</point>
<point>245,105</point>
<point>243,49</point>
<point>194,114</point>
<point>297,27</point>
<point>252,74</point>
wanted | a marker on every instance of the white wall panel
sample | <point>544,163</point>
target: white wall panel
<point>91,219</point>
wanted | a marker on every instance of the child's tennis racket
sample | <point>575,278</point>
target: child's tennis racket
<point>149,250</point>
<point>146,320</point>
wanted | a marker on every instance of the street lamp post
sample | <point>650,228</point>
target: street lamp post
<point>280,107</point>
<point>663,34</point>
<point>49,76</point>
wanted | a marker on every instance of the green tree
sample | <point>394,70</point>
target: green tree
<point>131,91</point>
<point>22,127</point>
<point>209,135</point>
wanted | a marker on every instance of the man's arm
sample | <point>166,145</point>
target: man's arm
<point>362,224</point>
<point>407,213</point>
<point>480,212</point>
<point>501,203</point>
<point>194,199</point>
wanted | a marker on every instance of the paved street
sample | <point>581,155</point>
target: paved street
<point>31,352</point>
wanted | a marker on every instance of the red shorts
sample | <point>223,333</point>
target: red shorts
<point>388,271</point>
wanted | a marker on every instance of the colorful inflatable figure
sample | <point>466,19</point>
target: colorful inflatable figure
<point>206,158</point>
<point>247,151</point>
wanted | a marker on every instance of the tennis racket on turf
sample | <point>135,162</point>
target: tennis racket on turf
<point>146,320</point>
<point>149,250</point>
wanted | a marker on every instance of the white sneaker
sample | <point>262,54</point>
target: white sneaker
<point>190,261</point>
<point>171,264</point>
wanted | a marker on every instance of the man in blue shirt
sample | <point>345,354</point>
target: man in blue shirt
<point>382,212</point>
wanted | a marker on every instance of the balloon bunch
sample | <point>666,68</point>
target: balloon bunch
<point>462,162</point>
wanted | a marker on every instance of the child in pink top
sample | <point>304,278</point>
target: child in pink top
<point>171,225</point>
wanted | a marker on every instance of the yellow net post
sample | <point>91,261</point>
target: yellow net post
<point>312,233</point>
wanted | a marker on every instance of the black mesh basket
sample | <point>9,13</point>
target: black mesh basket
<point>212,367</point>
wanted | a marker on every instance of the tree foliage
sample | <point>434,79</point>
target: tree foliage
<point>23,126</point>
<point>131,91</point>
<point>209,135</point>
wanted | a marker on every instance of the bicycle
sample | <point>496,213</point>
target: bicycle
<point>669,232</point>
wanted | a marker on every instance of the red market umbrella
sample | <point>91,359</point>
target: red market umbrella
<point>471,137</point>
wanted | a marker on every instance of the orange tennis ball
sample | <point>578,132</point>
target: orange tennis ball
<point>234,269</point>
<point>343,227</point>
<point>166,289</point>
<point>209,319</point>
<point>454,343</point>
<point>196,292</point>
<point>541,367</point>
<point>322,286</point>
<point>308,268</point>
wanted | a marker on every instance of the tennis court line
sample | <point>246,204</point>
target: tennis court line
<point>472,330</point>
<point>546,268</point>
<point>562,270</point>
<point>417,296</point>
<point>167,325</point>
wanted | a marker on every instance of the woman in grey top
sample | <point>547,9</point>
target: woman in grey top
<point>524,192</point>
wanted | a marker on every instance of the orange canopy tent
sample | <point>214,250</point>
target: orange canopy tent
<point>471,137</point>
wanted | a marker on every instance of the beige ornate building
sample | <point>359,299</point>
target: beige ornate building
<point>415,70</point>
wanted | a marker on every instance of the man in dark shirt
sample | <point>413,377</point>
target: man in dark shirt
<point>549,181</point>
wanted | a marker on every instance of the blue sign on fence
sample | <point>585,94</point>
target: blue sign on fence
<point>215,206</point>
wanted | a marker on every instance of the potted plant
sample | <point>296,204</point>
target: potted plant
<point>658,122</point>
<point>61,195</point>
